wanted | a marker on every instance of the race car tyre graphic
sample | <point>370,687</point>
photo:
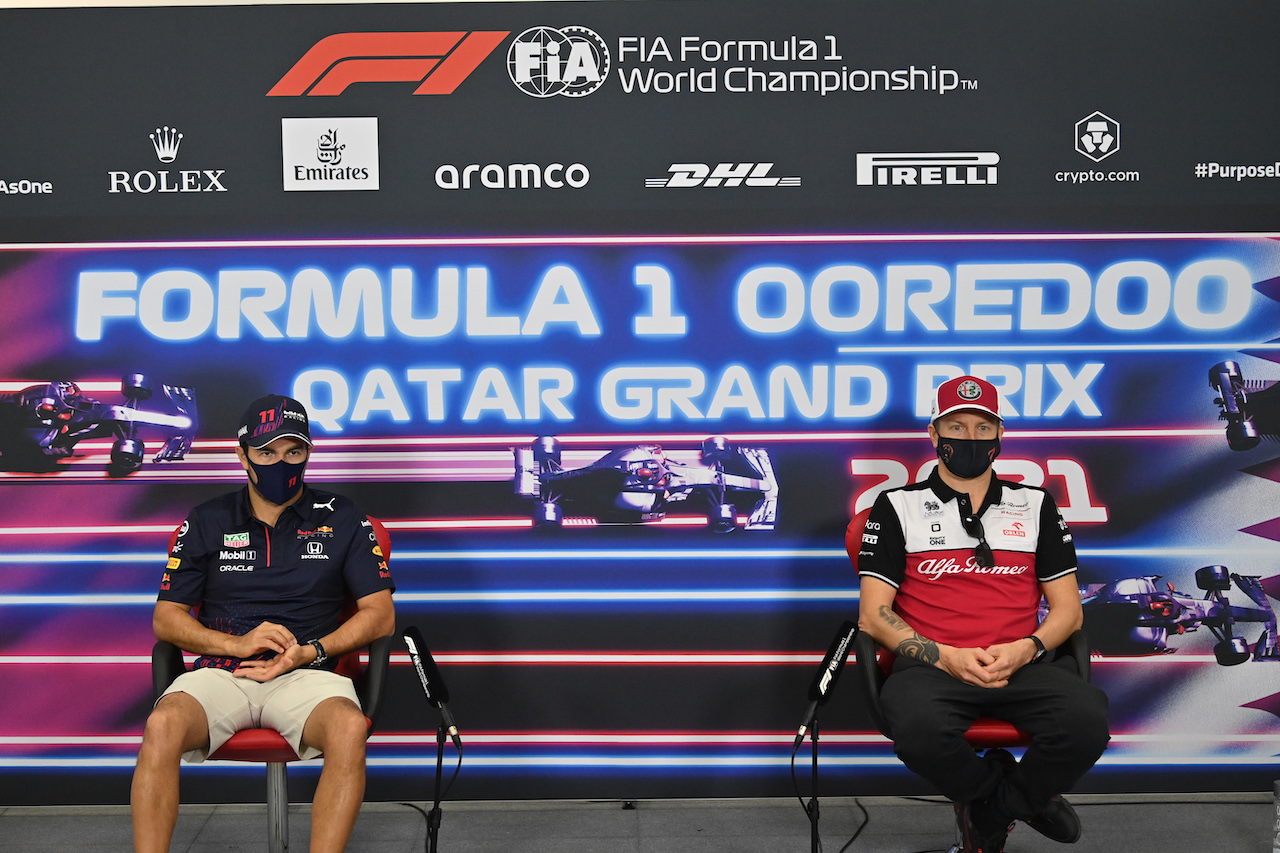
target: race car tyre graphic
<point>126,455</point>
<point>725,518</point>
<point>1242,436</point>
<point>546,449</point>
<point>548,515</point>
<point>1231,652</point>
<point>1223,373</point>
<point>1211,578</point>
<point>716,449</point>
<point>1227,379</point>
<point>135,386</point>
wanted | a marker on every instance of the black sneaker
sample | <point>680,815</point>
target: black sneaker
<point>1058,820</point>
<point>973,839</point>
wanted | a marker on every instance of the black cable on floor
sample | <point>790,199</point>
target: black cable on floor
<point>866,821</point>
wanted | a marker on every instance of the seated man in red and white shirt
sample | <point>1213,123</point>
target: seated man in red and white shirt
<point>952,572</point>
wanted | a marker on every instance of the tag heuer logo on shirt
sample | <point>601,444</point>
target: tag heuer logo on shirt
<point>235,540</point>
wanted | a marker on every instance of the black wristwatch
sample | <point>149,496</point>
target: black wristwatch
<point>321,657</point>
<point>1041,651</point>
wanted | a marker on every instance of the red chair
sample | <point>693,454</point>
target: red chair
<point>266,745</point>
<point>874,664</point>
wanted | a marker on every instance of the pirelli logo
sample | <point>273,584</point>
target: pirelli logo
<point>942,168</point>
<point>437,62</point>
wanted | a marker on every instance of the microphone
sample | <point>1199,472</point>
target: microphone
<point>432,681</point>
<point>825,678</point>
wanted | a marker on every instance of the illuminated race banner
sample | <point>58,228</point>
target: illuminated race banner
<point>830,334</point>
<point>617,472</point>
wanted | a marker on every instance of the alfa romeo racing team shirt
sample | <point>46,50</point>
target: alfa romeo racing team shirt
<point>916,542</point>
<point>298,574</point>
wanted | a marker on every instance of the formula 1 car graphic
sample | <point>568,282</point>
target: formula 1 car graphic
<point>1132,616</point>
<point>642,483</point>
<point>42,424</point>
<point>1251,407</point>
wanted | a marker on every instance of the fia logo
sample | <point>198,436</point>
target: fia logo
<point>545,61</point>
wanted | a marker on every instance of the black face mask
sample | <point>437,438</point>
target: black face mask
<point>279,481</point>
<point>968,458</point>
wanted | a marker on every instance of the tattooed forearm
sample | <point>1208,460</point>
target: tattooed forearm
<point>892,619</point>
<point>915,646</point>
<point>919,648</point>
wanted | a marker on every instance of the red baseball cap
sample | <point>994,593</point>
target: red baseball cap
<point>966,393</point>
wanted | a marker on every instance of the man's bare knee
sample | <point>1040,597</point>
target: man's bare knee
<point>176,724</point>
<point>337,724</point>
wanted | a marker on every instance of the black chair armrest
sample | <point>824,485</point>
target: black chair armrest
<point>371,685</point>
<point>871,676</point>
<point>1077,648</point>
<point>166,665</point>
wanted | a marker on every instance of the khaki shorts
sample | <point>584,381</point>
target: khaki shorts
<point>284,703</point>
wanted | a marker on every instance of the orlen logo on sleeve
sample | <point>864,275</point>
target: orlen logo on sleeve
<point>437,62</point>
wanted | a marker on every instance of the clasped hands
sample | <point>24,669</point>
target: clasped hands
<point>989,667</point>
<point>268,636</point>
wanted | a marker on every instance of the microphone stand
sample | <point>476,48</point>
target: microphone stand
<point>434,816</point>
<point>814,843</point>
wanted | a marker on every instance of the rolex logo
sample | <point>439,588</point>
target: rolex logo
<point>166,141</point>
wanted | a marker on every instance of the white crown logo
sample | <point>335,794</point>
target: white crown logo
<point>166,142</point>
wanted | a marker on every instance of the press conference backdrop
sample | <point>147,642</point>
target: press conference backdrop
<point>476,238</point>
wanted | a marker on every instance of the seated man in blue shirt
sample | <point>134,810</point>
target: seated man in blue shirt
<point>269,568</point>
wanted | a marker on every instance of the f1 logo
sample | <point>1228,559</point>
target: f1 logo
<point>438,62</point>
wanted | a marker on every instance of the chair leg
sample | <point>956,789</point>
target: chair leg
<point>277,807</point>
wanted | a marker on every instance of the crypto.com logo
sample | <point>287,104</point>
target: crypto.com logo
<point>438,62</point>
<point>1097,136</point>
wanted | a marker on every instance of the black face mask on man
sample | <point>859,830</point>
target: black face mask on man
<point>279,481</point>
<point>966,457</point>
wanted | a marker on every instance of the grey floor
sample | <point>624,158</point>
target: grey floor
<point>1194,824</point>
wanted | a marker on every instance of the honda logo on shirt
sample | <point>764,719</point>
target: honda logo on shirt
<point>315,551</point>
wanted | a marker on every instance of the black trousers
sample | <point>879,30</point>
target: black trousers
<point>928,712</point>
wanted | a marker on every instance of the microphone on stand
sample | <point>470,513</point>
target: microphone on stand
<point>432,681</point>
<point>825,678</point>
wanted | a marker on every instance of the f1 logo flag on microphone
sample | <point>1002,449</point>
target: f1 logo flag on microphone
<point>438,62</point>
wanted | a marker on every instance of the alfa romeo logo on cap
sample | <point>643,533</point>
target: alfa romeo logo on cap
<point>969,390</point>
